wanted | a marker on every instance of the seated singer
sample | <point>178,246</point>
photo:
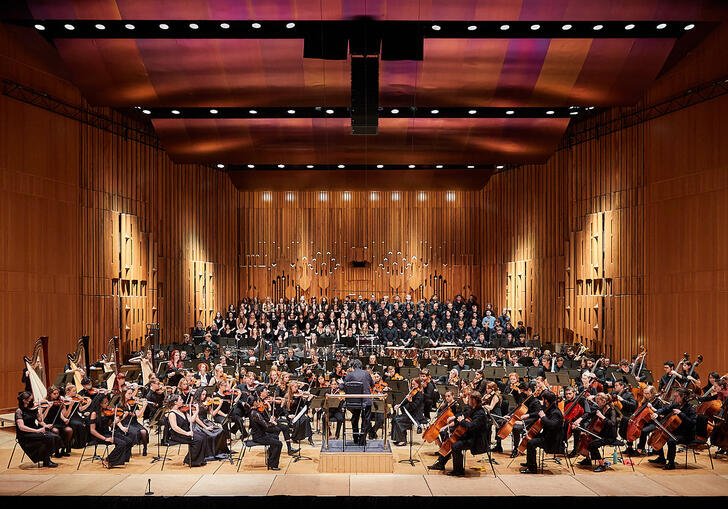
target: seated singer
<point>475,438</point>
<point>550,438</point>
<point>365,379</point>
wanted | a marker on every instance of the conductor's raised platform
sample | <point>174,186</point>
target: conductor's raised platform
<point>348,457</point>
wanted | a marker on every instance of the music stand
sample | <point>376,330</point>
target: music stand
<point>467,375</point>
<point>317,403</point>
<point>415,424</point>
<point>532,371</point>
<point>521,371</point>
<point>648,376</point>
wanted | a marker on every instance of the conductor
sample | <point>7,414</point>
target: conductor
<point>359,381</point>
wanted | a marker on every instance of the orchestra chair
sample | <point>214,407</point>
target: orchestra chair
<point>21,458</point>
<point>95,442</point>
<point>698,445</point>
<point>249,444</point>
<point>172,443</point>
<point>564,452</point>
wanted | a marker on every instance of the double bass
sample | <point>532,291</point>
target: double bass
<point>690,384</point>
<point>666,393</point>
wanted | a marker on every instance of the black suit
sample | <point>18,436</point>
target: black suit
<point>550,437</point>
<point>474,439</point>
<point>363,377</point>
<point>265,432</point>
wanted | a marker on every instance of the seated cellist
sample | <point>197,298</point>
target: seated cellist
<point>684,434</point>
<point>655,403</point>
<point>550,437</point>
<point>603,411</point>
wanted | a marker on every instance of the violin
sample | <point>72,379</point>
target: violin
<point>110,412</point>
<point>188,408</point>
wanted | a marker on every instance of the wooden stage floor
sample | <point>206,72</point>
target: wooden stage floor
<point>302,478</point>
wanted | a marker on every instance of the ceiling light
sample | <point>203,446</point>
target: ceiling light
<point>175,112</point>
<point>221,166</point>
<point>68,26</point>
<point>510,112</point>
<point>346,196</point>
<point>225,25</point>
<point>281,165</point>
<point>289,196</point>
<point>256,25</point>
<point>422,196</point>
<point>322,196</point>
<point>253,112</point>
<point>574,113</point>
<point>661,26</point>
<point>129,26</point>
<point>505,27</point>
<point>291,112</point>
<point>194,26</point>
<point>41,27</point>
<point>330,112</point>
<point>535,27</point>
<point>598,27</point>
<point>290,25</point>
<point>472,27</point>
<point>146,112</point>
<point>500,166</point>
<point>450,196</point>
<point>373,196</point>
<point>473,112</point>
<point>309,166</point>
<point>434,112</point>
<point>99,26</point>
<point>395,196</point>
<point>213,111</point>
<point>341,166</point>
<point>550,112</point>
<point>380,166</point>
<point>690,26</point>
<point>470,166</point>
<point>438,166</point>
<point>629,27</point>
<point>411,166</point>
<point>251,166</point>
<point>395,111</point>
<point>266,196</point>
<point>436,28</point>
<point>163,26</point>
<point>566,27</point>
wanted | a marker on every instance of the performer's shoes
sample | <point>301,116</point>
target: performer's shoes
<point>514,454</point>
<point>669,466</point>
<point>585,462</point>
<point>528,470</point>
<point>292,451</point>
<point>524,464</point>
<point>660,460</point>
<point>273,468</point>
<point>50,464</point>
<point>310,442</point>
<point>436,466</point>
<point>573,454</point>
<point>456,473</point>
<point>497,448</point>
<point>600,468</point>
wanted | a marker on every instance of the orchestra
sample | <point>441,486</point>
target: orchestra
<point>267,383</point>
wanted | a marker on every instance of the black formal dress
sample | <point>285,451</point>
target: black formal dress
<point>265,432</point>
<point>123,443</point>
<point>402,423</point>
<point>200,444</point>
<point>38,446</point>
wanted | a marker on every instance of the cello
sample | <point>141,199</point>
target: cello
<point>638,420</point>
<point>573,411</point>
<point>666,391</point>
<point>432,433</point>
<point>664,430</point>
<point>515,416</point>
<point>534,430</point>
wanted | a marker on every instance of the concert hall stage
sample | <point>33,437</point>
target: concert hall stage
<point>303,479</point>
<point>348,457</point>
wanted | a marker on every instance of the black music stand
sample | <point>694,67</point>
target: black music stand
<point>561,378</point>
<point>415,424</point>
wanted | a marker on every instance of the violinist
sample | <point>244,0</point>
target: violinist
<point>429,391</point>
<point>526,391</point>
<point>655,403</point>
<point>294,401</point>
<point>685,432</point>
<point>50,414</point>
<point>414,404</point>
<point>604,412</point>
<point>474,420</point>
<point>181,429</point>
<point>550,438</point>
<point>103,426</point>
<point>73,415</point>
<point>202,376</point>
<point>35,438</point>
<point>184,390</point>
<point>216,436</point>
<point>493,404</point>
<point>280,413</point>
<point>133,414</point>
<point>264,428</point>
<point>380,387</point>
<point>623,396</point>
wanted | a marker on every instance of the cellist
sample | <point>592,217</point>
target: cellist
<point>573,409</point>
<point>684,434</point>
<point>655,403</point>
<point>474,438</point>
<point>550,437</point>
<point>534,407</point>
<point>624,396</point>
<point>602,410</point>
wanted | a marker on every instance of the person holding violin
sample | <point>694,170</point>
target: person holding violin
<point>414,404</point>
<point>380,387</point>
<point>474,420</point>
<point>526,390</point>
<point>72,415</point>
<point>550,437</point>
<point>429,391</point>
<point>683,434</point>
<point>103,426</point>
<point>51,413</point>
<point>133,415</point>
<point>293,402</point>
<point>264,428</point>
<point>593,440</point>
<point>154,394</point>
<point>180,421</point>
<point>35,438</point>
<point>217,438</point>
<point>184,390</point>
<point>493,403</point>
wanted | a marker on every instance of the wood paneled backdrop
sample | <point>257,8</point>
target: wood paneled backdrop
<point>617,242</point>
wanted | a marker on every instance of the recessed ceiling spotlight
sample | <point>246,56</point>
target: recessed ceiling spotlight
<point>256,25</point>
<point>213,111</point>
<point>689,27</point>
<point>373,196</point>
<point>411,166</point>
<point>574,113</point>
<point>129,26</point>
<point>505,27</point>
<point>436,28</point>
<point>395,196</point>
<point>281,165</point>
<point>598,27</point>
<point>68,26</point>
<point>470,166</point>
<point>251,166</point>
<point>550,112</point>
<point>395,111</point>
<point>450,196</point>
<point>535,27</point>
<point>500,166</point>
<point>472,27</point>
<point>510,112</point>
<point>146,112</point>
<point>220,165</point>
<point>291,112</point>
<point>309,166</point>
<point>225,25</point>
<point>434,112</point>
<point>175,112</point>
<point>380,166</point>
<point>629,27</point>
<point>439,166</point>
<point>566,27</point>
<point>330,111</point>
<point>472,112</point>
<point>253,112</point>
<point>290,25</point>
<point>661,26</point>
<point>341,166</point>
<point>39,27</point>
<point>99,26</point>
<point>164,26</point>
<point>194,26</point>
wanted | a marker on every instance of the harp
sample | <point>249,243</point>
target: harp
<point>37,368</point>
<point>111,361</point>
<point>146,360</point>
<point>79,358</point>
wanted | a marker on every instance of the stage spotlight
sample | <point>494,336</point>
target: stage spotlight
<point>470,166</point>
<point>194,26</point>
<point>550,112</point>
<point>213,111</point>
<point>473,112</point>
<point>253,112</point>
<point>68,26</point>
<point>434,112</point>
<point>566,27</point>
<point>164,26</point>
<point>256,25</point>
<point>175,112</point>
<point>221,166</point>
<point>225,25</point>
<point>598,27</point>
<point>505,27</point>
<point>330,112</point>
<point>380,166</point>
<point>129,26</point>
<point>436,28</point>
<point>510,112</point>
<point>99,26</point>
<point>574,113</point>
<point>395,111</point>
<point>341,166</point>
<point>629,27</point>
<point>39,27</point>
<point>290,25</point>
<point>281,166</point>
<point>689,27</point>
<point>472,27</point>
<point>535,27</point>
<point>251,166</point>
<point>438,166</point>
<point>146,112</point>
<point>309,166</point>
<point>500,166</point>
<point>411,166</point>
<point>291,112</point>
<point>661,26</point>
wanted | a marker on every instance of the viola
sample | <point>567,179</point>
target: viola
<point>110,412</point>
